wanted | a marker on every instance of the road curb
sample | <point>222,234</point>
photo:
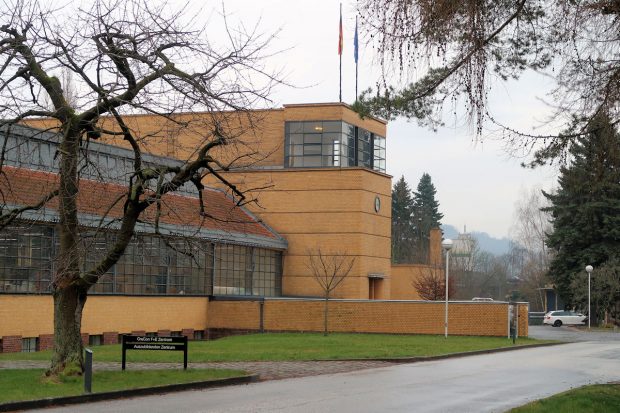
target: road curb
<point>121,394</point>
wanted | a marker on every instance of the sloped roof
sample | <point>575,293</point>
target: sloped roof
<point>180,215</point>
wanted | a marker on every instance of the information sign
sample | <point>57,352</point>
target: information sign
<point>154,343</point>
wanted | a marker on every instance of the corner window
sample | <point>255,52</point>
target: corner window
<point>316,144</point>
<point>324,144</point>
<point>379,153</point>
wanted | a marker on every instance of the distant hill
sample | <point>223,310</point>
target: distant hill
<point>497,246</point>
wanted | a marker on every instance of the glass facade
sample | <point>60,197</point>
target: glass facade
<point>321,144</point>
<point>241,270</point>
<point>151,265</point>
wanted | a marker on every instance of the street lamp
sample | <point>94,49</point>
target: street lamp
<point>447,245</point>
<point>589,269</point>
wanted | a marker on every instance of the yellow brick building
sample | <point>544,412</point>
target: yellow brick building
<point>317,174</point>
<point>321,173</point>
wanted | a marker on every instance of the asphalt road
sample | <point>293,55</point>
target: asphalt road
<point>571,333</point>
<point>486,383</point>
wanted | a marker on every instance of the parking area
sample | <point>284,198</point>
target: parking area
<point>571,333</point>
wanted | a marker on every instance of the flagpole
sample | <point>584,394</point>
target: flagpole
<point>340,44</point>
<point>356,81</point>
<point>355,53</point>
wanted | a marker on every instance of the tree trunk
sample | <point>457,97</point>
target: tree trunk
<point>69,293</point>
<point>68,357</point>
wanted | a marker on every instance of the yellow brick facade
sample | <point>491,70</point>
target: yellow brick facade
<point>328,208</point>
<point>332,209</point>
<point>32,315</point>
<point>393,317</point>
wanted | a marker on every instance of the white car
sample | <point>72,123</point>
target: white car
<point>557,318</point>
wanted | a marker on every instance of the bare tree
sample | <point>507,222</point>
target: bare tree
<point>431,285</point>
<point>125,57</point>
<point>478,273</point>
<point>530,252</point>
<point>329,271</point>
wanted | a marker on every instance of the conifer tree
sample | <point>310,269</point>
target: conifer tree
<point>403,230</point>
<point>426,215</point>
<point>585,210</point>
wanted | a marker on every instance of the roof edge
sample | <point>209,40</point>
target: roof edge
<point>342,104</point>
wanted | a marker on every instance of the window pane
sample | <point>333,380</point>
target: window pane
<point>312,138</point>
<point>313,127</point>
<point>332,126</point>
<point>312,161</point>
<point>295,127</point>
<point>296,139</point>
<point>297,150</point>
<point>296,161</point>
<point>330,137</point>
<point>312,149</point>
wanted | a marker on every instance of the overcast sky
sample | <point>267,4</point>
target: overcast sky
<point>477,182</point>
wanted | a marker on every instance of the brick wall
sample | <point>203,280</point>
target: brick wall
<point>104,314</point>
<point>11,344</point>
<point>400,317</point>
<point>110,337</point>
<point>46,342</point>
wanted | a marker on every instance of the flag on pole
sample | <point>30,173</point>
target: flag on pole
<point>340,54</point>
<point>355,55</point>
<point>355,43</point>
<point>340,33</point>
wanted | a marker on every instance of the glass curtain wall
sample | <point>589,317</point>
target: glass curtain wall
<point>26,259</point>
<point>241,270</point>
<point>150,266</point>
<point>321,144</point>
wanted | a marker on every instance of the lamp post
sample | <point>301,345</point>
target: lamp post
<point>589,269</point>
<point>447,245</point>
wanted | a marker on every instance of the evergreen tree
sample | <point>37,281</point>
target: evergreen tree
<point>426,215</point>
<point>425,204</point>
<point>586,210</point>
<point>403,230</point>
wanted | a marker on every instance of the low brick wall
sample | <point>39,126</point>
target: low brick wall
<point>395,317</point>
<point>46,342</point>
<point>110,337</point>
<point>11,344</point>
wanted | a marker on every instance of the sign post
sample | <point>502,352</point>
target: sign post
<point>88,371</point>
<point>154,343</point>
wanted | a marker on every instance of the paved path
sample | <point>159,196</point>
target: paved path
<point>486,383</point>
<point>267,370</point>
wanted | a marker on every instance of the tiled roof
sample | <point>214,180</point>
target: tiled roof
<point>21,186</point>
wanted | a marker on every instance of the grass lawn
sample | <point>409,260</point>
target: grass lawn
<point>19,385</point>
<point>299,346</point>
<point>599,398</point>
